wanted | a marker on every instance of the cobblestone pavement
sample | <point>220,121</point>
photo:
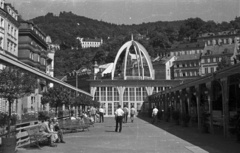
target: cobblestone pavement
<point>140,137</point>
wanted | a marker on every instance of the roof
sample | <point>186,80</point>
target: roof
<point>219,34</point>
<point>188,46</point>
<point>218,49</point>
<point>188,57</point>
<point>163,60</point>
<point>108,69</point>
<point>92,40</point>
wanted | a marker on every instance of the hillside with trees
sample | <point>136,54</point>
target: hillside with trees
<point>156,37</point>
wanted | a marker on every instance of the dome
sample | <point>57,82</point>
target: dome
<point>132,63</point>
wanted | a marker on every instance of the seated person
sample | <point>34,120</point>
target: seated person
<point>45,131</point>
<point>58,129</point>
<point>51,127</point>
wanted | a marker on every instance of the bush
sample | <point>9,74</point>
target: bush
<point>14,119</point>
<point>3,119</point>
<point>31,116</point>
<point>43,115</point>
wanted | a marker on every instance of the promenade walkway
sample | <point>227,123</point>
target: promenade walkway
<point>140,137</point>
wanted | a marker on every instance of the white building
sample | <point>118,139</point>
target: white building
<point>88,43</point>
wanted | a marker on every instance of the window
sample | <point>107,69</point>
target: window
<point>116,94</point>
<point>109,94</point>
<point>206,70</point>
<point>138,94</point>
<point>125,95</point>
<point>96,97</point>
<point>131,94</point>
<point>110,109</point>
<point>212,69</point>
<point>214,59</point>
<point>145,95</point>
<point>103,94</point>
<point>154,90</point>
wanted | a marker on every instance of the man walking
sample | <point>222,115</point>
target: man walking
<point>101,113</point>
<point>132,113</point>
<point>119,117</point>
<point>154,114</point>
<point>125,109</point>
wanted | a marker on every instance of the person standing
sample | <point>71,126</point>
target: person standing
<point>132,113</point>
<point>125,109</point>
<point>119,117</point>
<point>93,113</point>
<point>154,114</point>
<point>101,114</point>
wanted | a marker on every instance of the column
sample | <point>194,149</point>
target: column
<point>225,101</point>
<point>210,104</point>
<point>198,93</point>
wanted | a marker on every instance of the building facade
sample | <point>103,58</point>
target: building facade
<point>130,81</point>
<point>187,67</point>
<point>8,39</point>
<point>88,43</point>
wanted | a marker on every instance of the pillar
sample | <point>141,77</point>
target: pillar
<point>198,93</point>
<point>225,103</point>
<point>210,104</point>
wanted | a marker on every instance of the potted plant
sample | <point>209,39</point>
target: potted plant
<point>14,84</point>
<point>176,116</point>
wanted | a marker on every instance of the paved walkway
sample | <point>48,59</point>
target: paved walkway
<point>140,137</point>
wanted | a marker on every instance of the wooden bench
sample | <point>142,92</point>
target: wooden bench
<point>73,125</point>
<point>88,122</point>
<point>35,137</point>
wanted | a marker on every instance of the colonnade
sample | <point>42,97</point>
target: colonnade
<point>216,94</point>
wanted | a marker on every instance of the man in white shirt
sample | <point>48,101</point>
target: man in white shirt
<point>154,114</point>
<point>119,117</point>
<point>101,114</point>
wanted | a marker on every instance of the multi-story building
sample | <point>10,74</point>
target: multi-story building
<point>187,67</point>
<point>32,45</point>
<point>34,50</point>
<point>212,55</point>
<point>186,60</point>
<point>52,48</point>
<point>187,48</point>
<point>8,38</point>
<point>88,43</point>
<point>219,38</point>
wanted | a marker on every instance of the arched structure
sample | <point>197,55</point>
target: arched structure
<point>138,63</point>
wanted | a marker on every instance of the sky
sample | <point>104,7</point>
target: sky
<point>132,11</point>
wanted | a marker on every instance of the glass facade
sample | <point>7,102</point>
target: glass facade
<point>109,94</point>
<point>132,94</point>
<point>110,109</point>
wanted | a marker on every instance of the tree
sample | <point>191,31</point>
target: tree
<point>225,62</point>
<point>56,97</point>
<point>15,84</point>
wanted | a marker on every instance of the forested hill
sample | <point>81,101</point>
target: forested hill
<point>155,37</point>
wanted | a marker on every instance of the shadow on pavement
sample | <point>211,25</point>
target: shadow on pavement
<point>213,143</point>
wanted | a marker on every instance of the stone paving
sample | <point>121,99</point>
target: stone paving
<point>140,137</point>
